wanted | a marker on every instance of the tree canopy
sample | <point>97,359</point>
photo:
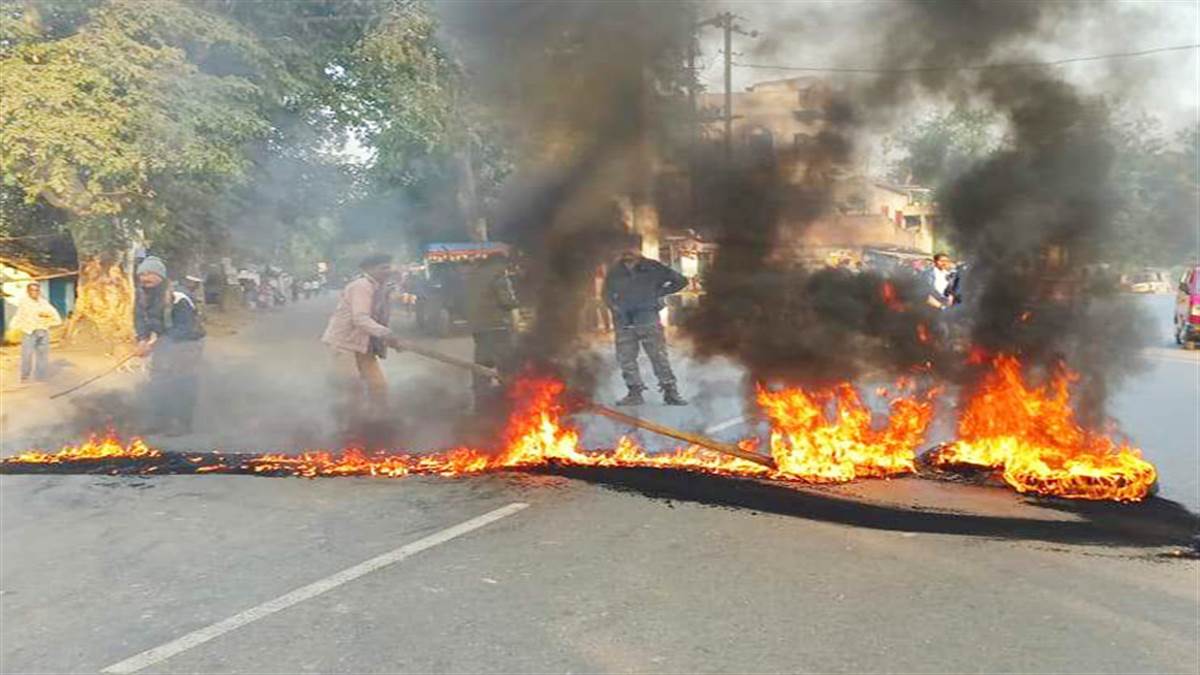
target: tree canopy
<point>201,123</point>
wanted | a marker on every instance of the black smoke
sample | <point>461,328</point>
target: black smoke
<point>582,90</point>
<point>1030,220</point>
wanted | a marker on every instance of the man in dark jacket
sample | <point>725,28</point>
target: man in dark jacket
<point>488,303</point>
<point>170,329</point>
<point>634,289</point>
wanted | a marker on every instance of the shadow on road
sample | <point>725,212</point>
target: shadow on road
<point>1152,523</point>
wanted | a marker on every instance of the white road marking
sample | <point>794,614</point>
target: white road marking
<point>195,638</point>
<point>725,425</point>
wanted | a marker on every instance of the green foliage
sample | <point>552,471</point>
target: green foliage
<point>209,124</point>
<point>90,122</point>
<point>1158,191</point>
<point>943,145</point>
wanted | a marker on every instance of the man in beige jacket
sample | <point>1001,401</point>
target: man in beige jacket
<point>358,331</point>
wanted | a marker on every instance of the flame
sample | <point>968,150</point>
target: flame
<point>535,436</point>
<point>1027,433</point>
<point>890,299</point>
<point>809,444</point>
<point>923,334</point>
<point>108,446</point>
<point>1032,436</point>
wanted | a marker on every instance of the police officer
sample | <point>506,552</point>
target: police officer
<point>634,289</point>
<point>170,330</point>
<point>488,303</point>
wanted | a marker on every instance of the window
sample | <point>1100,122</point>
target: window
<point>912,222</point>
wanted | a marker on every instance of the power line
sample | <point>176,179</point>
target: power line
<point>990,66</point>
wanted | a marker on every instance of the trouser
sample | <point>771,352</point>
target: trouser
<point>175,382</point>
<point>35,354</point>
<point>359,373</point>
<point>649,337</point>
<point>494,349</point>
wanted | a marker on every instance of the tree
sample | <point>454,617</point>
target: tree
<point>943,145</point>
<point>1155,222</point>
<point>105,118</point>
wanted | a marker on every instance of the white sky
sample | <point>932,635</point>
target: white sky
<point>818,33</point>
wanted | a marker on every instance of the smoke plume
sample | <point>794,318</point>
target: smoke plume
<point>576,87</point>
<point>1028,221</point>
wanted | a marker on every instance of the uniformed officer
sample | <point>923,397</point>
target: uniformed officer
<point>634,289</point>
<point>489,302</point>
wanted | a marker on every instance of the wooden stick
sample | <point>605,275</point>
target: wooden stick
<point>670,432</point>
<point>687,436</point>
<point>446,358</point>
<point>93,378</point>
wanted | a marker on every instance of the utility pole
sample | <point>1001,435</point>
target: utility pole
<point>726,21</point>
<point>727,25</point>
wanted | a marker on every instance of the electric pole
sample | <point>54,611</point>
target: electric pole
<point>727,25</point>
<point>726,21</point>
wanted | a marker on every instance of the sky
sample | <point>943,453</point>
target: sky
<point>822,33</point>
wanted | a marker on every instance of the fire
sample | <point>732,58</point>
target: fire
<point>923,334</point>
<point>806,444</point>
<point>1031,435</point>
<point>809,444</point>
<point>108,446</point>
<point>888,293</point>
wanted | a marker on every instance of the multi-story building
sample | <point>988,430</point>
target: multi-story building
<point>783,118</point>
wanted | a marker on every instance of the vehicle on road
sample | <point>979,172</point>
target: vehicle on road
<point>1187,308</point>
<point>1146,281</point>
<point>437,294</point>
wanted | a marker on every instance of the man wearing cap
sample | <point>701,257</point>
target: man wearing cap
<point>170,331</point>
<point>359,333</point>
<point>634,289</point>
<point>489,302</point>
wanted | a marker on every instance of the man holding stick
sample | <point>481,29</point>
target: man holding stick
<point>489,304</point>
<point>168,326</point>
<point>359,333</point>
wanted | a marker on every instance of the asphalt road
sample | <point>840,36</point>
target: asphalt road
<point>240,574</point>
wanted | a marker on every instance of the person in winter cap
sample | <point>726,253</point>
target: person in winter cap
<point>170,331</point>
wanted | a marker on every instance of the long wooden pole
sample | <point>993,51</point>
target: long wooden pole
<point>679,434</point>
<point>671,432</point>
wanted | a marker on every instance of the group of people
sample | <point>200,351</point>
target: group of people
<point>633,289</point>
<point>169,327</point>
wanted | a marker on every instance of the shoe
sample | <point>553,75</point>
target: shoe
<point>671,396</point>
<point>634,397</point>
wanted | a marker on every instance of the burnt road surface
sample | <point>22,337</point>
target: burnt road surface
<point>588,572</point>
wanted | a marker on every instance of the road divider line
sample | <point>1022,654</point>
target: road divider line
<point>158,654</point>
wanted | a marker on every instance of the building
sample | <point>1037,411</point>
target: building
<point>782,118</point>
<point>772,116</point>
<point>49,260</point>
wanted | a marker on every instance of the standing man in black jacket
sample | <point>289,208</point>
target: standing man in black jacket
<point>634,289</point>
<point>170,331</point>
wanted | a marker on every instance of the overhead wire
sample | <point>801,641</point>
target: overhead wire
<point>985,66</point>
